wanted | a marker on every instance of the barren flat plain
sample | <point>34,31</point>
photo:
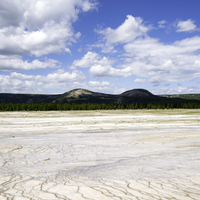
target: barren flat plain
<point>100,155</point>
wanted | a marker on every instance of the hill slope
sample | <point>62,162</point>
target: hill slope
<point>86,96</point>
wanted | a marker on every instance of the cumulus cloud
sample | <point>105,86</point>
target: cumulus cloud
<point>153,47</point>
<point>98,84</point>
<point>100,66</point>
<point>147,57</point>
<point>155,80</point>
<point>11,13</point>
<point>22,83</point>
<point>178,90</point>
<point>150,58</point>
<point>88,60</point>
<point>62,76</point>
<point>14,64</point>
<point>186,26</point>
<point>18,83</point>
<point>60,79</point>
<point>105,87</point>
<point>139,80</point>
<point>109,71</point>
<point>41,27</point>
<point>128,31</point>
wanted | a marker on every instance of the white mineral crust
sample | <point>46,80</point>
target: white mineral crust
<point>100,155</point>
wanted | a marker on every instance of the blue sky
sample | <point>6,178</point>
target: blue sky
<point>108,46</point>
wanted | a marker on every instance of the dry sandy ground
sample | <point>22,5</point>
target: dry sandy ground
<point>100,155</point>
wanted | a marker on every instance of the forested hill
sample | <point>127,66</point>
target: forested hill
<point>86,96</point>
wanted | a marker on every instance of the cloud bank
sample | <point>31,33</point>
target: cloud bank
<point>147,57</point>
<point>32,31</point>
<point>37,28</point>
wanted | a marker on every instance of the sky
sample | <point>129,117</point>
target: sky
<point>108,46</point>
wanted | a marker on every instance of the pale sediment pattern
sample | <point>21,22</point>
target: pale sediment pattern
<point>100,155</point>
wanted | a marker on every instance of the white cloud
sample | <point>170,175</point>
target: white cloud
<point>161,24</point>
<point>11,13</point>
<point>18,83</point>
<point>155,80</point>
<point>100,66</point>
<point>39,27</point>
<point>87,5</point>
<point>127,32</point>
<point>149,58</point>
<point>22,83</point>
<point>88,60</point>
<point>105,87</point>
<point>33,14</point>
<point>109,71</point>
<point>60,79</point>
<point>91,59</point>
<point>132,28</point>
<point>159,62</point>
<point>151,46</point>
<point>18,64</point>
<point>178,90</point>
<point>138,80</point>
<point>19,76</point>
<point>186,26</point>
<point>98,84</point>
<point>62,76</point>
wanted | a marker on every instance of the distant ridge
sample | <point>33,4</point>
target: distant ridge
<point>86,96</point>
<point>137,93</point>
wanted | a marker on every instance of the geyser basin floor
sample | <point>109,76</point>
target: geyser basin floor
<point>100,155</point>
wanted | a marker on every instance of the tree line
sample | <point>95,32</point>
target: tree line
<point>94,106</point>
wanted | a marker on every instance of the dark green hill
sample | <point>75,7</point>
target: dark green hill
<point>86,96</point>
<point>26,98</point>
